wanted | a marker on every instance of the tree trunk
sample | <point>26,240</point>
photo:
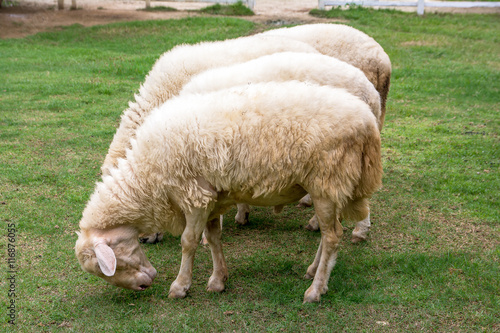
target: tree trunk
<point>148,3</point>
<point>73,4</point>
<point>60,4</point>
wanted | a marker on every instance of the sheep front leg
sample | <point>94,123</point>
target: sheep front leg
<point>195,224</point>
<point>242,215</point>
<point>213,233</point>
<point>331,231</point>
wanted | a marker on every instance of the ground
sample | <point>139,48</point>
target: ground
<point>31,16</point>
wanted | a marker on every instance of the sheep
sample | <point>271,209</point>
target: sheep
<point>356,48</point>
<point>199,154</point>
<point>176,67</point>
<point>311,67</point>
<point>347,44</point>
<point>286,66</point>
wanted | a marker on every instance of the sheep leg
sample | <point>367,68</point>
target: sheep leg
<point>213,233</point>
<point>360,232</point>
<point>331,231</point>
<point>311,270</point>
<point>242,215</point>
<point>313,224</point>
<point>306,201</point>
<point>204,240</point>
<point>196,221</point>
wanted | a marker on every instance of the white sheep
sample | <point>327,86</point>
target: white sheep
<point>286,66</point>
<point>347,44</point>
<point>308,67</point>
<point>356,48</point>
<point>199,154</point>
<point>176,67</point>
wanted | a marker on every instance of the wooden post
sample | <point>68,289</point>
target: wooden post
<point>60,4</point>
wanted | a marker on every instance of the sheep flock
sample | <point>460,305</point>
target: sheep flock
<point>195,142</point>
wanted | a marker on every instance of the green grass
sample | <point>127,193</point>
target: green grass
<point>235,9</point>
<point>160,9</point>
<point>432,261</point>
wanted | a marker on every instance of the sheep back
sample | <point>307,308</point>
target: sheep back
<point>175,67</point>
<point>347,44</point>
<point>285,66</point>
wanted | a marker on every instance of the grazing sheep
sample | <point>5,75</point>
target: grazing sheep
<point>285,66</point>
<point>199,154</point>
<point>307,67</point>
<point>356,48</point>
<point>347,44</point>
<point>176,67</point>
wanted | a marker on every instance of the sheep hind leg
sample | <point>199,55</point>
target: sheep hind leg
<point>359,210</point>
<point>213,233</point>
<point>360,232</point>
<point>242,215</point>
<point>331,231</point>
<point>196,221</point>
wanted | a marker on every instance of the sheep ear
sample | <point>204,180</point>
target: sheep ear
<point>106,258</point>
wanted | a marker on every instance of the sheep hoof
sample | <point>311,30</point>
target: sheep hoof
<point>356,239</point>
<point>204,240</point>
<point>177,293</point>
<point>240,220</point>
<point>151,239</point>
<point>305,202</point>
<point>308,276</point>
<point>278,209</point>
<point>310,227</point>
<point>358,236</point>
<point>313,223</point>
<point>312,296</point>
<point>215,285</point>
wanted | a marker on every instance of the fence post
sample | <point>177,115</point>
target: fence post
<point>420,7</point>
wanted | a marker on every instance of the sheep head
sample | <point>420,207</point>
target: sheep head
<point>116,256</point>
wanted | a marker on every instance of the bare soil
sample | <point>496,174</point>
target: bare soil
<point>31,16</point>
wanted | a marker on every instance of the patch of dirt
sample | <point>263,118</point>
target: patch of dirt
<point>28,17</point>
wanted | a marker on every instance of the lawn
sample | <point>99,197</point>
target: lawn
<point>432,262</point>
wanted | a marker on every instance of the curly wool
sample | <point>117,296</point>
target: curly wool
<point>252,142</point>
<point>347,44</point>
<point>285,66</point>
<point>176,67</point>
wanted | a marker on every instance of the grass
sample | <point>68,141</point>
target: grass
<point>160,9</point>
<point>431,264</point>
<point>235,9</point>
